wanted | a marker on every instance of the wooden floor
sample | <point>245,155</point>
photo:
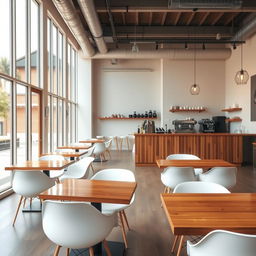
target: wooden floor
<point>150,235</point>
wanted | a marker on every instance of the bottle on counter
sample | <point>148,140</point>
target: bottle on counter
<point>146,114</point>
<point>138,129</point>
<point>154,114</point>
<point>150,114</point>
<point>134,114</point>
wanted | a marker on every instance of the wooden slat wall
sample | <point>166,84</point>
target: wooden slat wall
<point>150,147</point>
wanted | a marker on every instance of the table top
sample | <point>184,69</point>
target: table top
<point>66,154</point>
<point>74,147</point>
<point>207,163</point>
<point>98,191</point>
<point>92,141</point>
<point>39,165</point>
<point>198,214</point>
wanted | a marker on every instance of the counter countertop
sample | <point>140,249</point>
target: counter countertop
<point>194,134</point>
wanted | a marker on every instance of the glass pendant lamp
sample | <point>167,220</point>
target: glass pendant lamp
<point>195,89</point>
<point>242,75</point>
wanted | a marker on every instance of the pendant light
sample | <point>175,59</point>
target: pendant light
<point>135,47</point>
<point>194,89</point>
<point>242,75</point>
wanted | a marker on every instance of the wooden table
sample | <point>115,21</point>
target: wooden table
<point>205,164</point>
<point>198,214</point>
<point>94,191</point>
<point>92,141</point>
<point>70,154</point>
<point>76,147</point>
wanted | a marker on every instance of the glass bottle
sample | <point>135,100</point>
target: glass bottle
<point>150,114</point>
<point>154,114</point>
<point>134,114</point>
<point>146,114</point>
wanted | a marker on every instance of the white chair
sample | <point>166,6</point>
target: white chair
<point>53,174</point>
<point>29,184</point>
<point>223,243</point>
<point>76,225</point>
<point>115,139</point>
<point>172,176</point>
<point>89,151</point>
<point>186,157</point>
<point>200,187</point>
<point>108,146</point>
<point>99,150</point>
<point>197,187</point>
<point>117,175</point>
<point>225,176</point>
<point>122,139</point>
<point>78,170</point>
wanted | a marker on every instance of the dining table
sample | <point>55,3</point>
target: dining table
<point>204,163</point>
<point>92,141</point>
<point>71,154</point>
<point>96,192</point>
<point>39,165</point>
<point>199,214</point>
<point>77,148</point>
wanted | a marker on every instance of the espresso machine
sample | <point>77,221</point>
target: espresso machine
<point>206,125</point>
<point>184,126</point>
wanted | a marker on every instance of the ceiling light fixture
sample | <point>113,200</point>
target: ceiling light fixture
<point>242,75</point>
<point>234,46</point>
<point>135,47</point>
<point>194,89</point>
<point>186,46</point>
<point>203,47</point>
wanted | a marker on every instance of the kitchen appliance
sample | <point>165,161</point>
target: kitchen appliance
<point>206,125</point>
<point>220,124</point>
<point>184,126</point>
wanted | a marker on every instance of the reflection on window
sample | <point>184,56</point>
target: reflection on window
<point>54,120</point>
<point>60,123</point>
<point>35,120</point>
<point>21,109</point>
<point>49,124</point>
<point>34,54</point>
<point>5,29</point>
<point>54,59</point>
<point>60,65</point>
<point>21,68</point>
<point>5,138</point>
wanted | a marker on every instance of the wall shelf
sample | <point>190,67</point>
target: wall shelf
<point>127,118</point>
<point>231,120</point>
<point>231,109</point>
<point>187,110</point>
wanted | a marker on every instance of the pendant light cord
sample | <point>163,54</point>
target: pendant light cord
<point>194,64</point>
<point>241,56</point>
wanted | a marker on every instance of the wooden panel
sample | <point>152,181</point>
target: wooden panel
<point>150,147</point>
<point>98,191</point>
<point>198,214</point>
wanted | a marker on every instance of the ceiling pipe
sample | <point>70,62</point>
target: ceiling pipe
<point>173,54</point>
<point>68,11</point>
<point>247,30</point>
<point>92,19</point>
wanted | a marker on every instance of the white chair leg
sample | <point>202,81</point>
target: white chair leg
<point>125,219</point>
<point>91,252</point>
<point>128,145</point>
<point>105,244</point>
<point>123,230</point>
<point>57,250</point>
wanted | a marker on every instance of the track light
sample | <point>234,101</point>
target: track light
<point>157,46</point>
<point>186,46</point>
<point>234,46</point>
<point>203,47</point>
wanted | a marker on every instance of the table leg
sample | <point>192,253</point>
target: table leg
<point>98,247</point>
<point>180,246</point>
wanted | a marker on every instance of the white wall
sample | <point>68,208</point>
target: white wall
<point>178,76</point>
<point>240,94</point>
<point>84,99</point>
<point>123,93</point>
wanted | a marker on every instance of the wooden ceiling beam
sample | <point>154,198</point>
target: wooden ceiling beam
<point>230,18</point>
<point>217,18</point>
<point>150,18</point>
<point>190,18</point>
<point>203,18</point>
<point>137,18</point>
<point>177,18</point>
<point>163,18</point>
<point>123,18</point>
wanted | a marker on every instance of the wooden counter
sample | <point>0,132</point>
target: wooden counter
<point>227,146</point>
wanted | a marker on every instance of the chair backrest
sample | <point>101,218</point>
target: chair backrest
<point>79,169</point>
<point>52,158</point>
<point>115,175</point>
<point>182,156</point>
<point>75,225</point>
<point>108,143</point>
<point>89,151</point>
<point>199,187</point>
<point>224,243</point>
<point>172,176</point>
<point>31,183</point>
<point>99,148</point>
<point>225,176</point>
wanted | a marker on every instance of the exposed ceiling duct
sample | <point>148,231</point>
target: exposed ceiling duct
<point>247,30</point>
<point>174,54</point>
<point>69,14</point>
<point>92,19</point>
<point>206,4</point>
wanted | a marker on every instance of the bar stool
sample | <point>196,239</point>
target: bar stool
<point>122,139</point>
<point>115,139</point>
